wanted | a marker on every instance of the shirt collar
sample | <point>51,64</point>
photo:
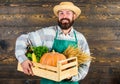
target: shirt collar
<point>70,33</point>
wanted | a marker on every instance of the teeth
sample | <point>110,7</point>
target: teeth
<point>64,21</point>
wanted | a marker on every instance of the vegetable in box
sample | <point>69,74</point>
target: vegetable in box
<point>36,52</point>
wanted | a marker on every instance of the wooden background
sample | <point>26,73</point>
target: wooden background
<point>99,22</point>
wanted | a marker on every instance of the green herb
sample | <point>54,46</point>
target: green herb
<point>29,55</point>
<point>39,51</point>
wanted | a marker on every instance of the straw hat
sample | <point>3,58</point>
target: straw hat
<point>67,5</point>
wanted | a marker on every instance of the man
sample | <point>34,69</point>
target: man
<point>57,37</point>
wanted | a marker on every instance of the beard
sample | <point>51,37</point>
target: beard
<point>65,25</point>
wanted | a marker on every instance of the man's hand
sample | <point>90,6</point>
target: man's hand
<point>26,65</point>
<point>68,79</point>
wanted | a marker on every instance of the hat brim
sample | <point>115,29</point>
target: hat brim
<point>75,9</point>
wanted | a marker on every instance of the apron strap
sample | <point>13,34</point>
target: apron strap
<point>75,37</point>
<point>56,32</point>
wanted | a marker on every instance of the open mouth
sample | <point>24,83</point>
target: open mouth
<point>65,21</point>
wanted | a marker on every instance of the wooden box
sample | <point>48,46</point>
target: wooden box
<point>62,71</point>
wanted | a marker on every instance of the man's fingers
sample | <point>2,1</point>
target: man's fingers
<point>27,67</point>
<point>26,71</point>
<point>31,71</point>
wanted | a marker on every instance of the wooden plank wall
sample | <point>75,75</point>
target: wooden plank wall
<point>99,22</point>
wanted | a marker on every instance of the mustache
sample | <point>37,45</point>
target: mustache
<point>65,19</point>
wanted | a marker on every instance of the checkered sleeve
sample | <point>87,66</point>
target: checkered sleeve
<point>36,38</point>
<point>23,41</point>
<point>20,48</point>
<point>83,68</point>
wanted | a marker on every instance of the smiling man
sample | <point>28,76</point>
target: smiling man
<point>57,38</point>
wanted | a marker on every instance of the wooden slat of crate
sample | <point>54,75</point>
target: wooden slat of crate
<point>69,64</point>
<point>68,73</point>
<point>45,73</point>
<point>69,69</point>
<point>51,68</point>
<point>55,73</point>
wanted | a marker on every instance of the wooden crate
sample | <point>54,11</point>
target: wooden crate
<point>62,71</point>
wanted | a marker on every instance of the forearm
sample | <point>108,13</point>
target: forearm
<point>82,71</point>
<point>22,42</point>
<point>83,68</point>
<point>20,48</point>
<point>21,58</point>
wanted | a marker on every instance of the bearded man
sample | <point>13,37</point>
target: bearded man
<point>57,38</point>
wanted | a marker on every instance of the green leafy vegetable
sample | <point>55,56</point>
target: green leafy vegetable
<point>39,51</point>
<point>29,55</point>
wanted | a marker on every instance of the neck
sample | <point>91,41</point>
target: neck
<point>66,31</point>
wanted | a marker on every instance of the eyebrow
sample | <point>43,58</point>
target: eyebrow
<point>68,11</point>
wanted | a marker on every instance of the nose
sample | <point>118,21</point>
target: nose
<point>64,15</point>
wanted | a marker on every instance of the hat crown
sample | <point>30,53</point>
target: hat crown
<point>66,3</point>
<point>68,6</point>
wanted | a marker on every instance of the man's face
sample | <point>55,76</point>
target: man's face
<point>65,19</point>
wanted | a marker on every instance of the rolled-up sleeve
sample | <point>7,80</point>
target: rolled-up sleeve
<point>83,68</point>
<point>20,48</point>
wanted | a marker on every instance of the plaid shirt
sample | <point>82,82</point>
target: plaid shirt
<point>45,36</point>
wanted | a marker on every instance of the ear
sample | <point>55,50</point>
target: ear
<point>74,16</point>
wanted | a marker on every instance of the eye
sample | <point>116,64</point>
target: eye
<point>69,13</point>
<point>60,13</point>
